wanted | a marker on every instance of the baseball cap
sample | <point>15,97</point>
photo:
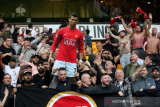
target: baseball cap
<point>27,66</point>
<point>13,59</point>
<point>40,62</point>
<point>155,67</point>
<point>27,71</point>
<point>35,56</point>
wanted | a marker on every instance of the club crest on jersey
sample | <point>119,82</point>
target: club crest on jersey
<point>76,36</point>
<point>68,41</point>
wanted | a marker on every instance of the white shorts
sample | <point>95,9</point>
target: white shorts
<point>71,68</point>
<point>125,59</point>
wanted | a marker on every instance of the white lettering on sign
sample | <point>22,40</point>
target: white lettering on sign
<point>97,31</point>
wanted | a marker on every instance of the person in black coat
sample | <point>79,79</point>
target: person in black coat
<point>104,88</point>
<point>15,34</point>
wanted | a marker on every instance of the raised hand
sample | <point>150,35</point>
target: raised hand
<point>28,48</point>
<point>146,61</point>
<point>120,93</point>
<point>76,74</point>
<point>150,16</point>
<point>54,70</point>
<point>46,65</point>
<point>50,60</point>
<point>98,62</point>
<point>120,17</point>
<point>110,55</point>
<point>43,45</point>
<point>14,91</point>
<point>44,87</point>
<point>108,27</point>
<point>79,84</point>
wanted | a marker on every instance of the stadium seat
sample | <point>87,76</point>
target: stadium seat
<point>93,43</point>
<point>119,66</point>
<point>86,58</point>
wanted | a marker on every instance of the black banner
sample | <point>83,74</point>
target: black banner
<point>35,97</point>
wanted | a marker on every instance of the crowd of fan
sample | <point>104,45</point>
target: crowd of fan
<point>24,63</point>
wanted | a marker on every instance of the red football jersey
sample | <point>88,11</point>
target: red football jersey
<point>69,41</point>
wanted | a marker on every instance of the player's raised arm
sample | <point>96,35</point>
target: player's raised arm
<point>54,45</point>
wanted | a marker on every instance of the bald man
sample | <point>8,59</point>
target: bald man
<point>100,49</point>
<point>89,52</point>
<point>85,81</point>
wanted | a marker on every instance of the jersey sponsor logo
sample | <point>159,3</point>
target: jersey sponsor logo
<point>70,42</point>
<point>65,34</point>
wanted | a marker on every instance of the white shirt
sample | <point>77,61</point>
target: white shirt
<point>40,44</point>
<point>14,72</point>
<point>120,82</point>
<point>33,33</point>
<point>140,61</point>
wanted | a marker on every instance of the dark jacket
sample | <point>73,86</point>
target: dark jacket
<point>9,101</point>
<point>63,85</point>
<point>88,41</point>
<point>91,59</point>
<point>158,88</point>
<point>43,80</point>
<point>99,89</point>
<point>14,36</point>
<point>145,84</point>
<point>84,87</point>
<point>60,85</point>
